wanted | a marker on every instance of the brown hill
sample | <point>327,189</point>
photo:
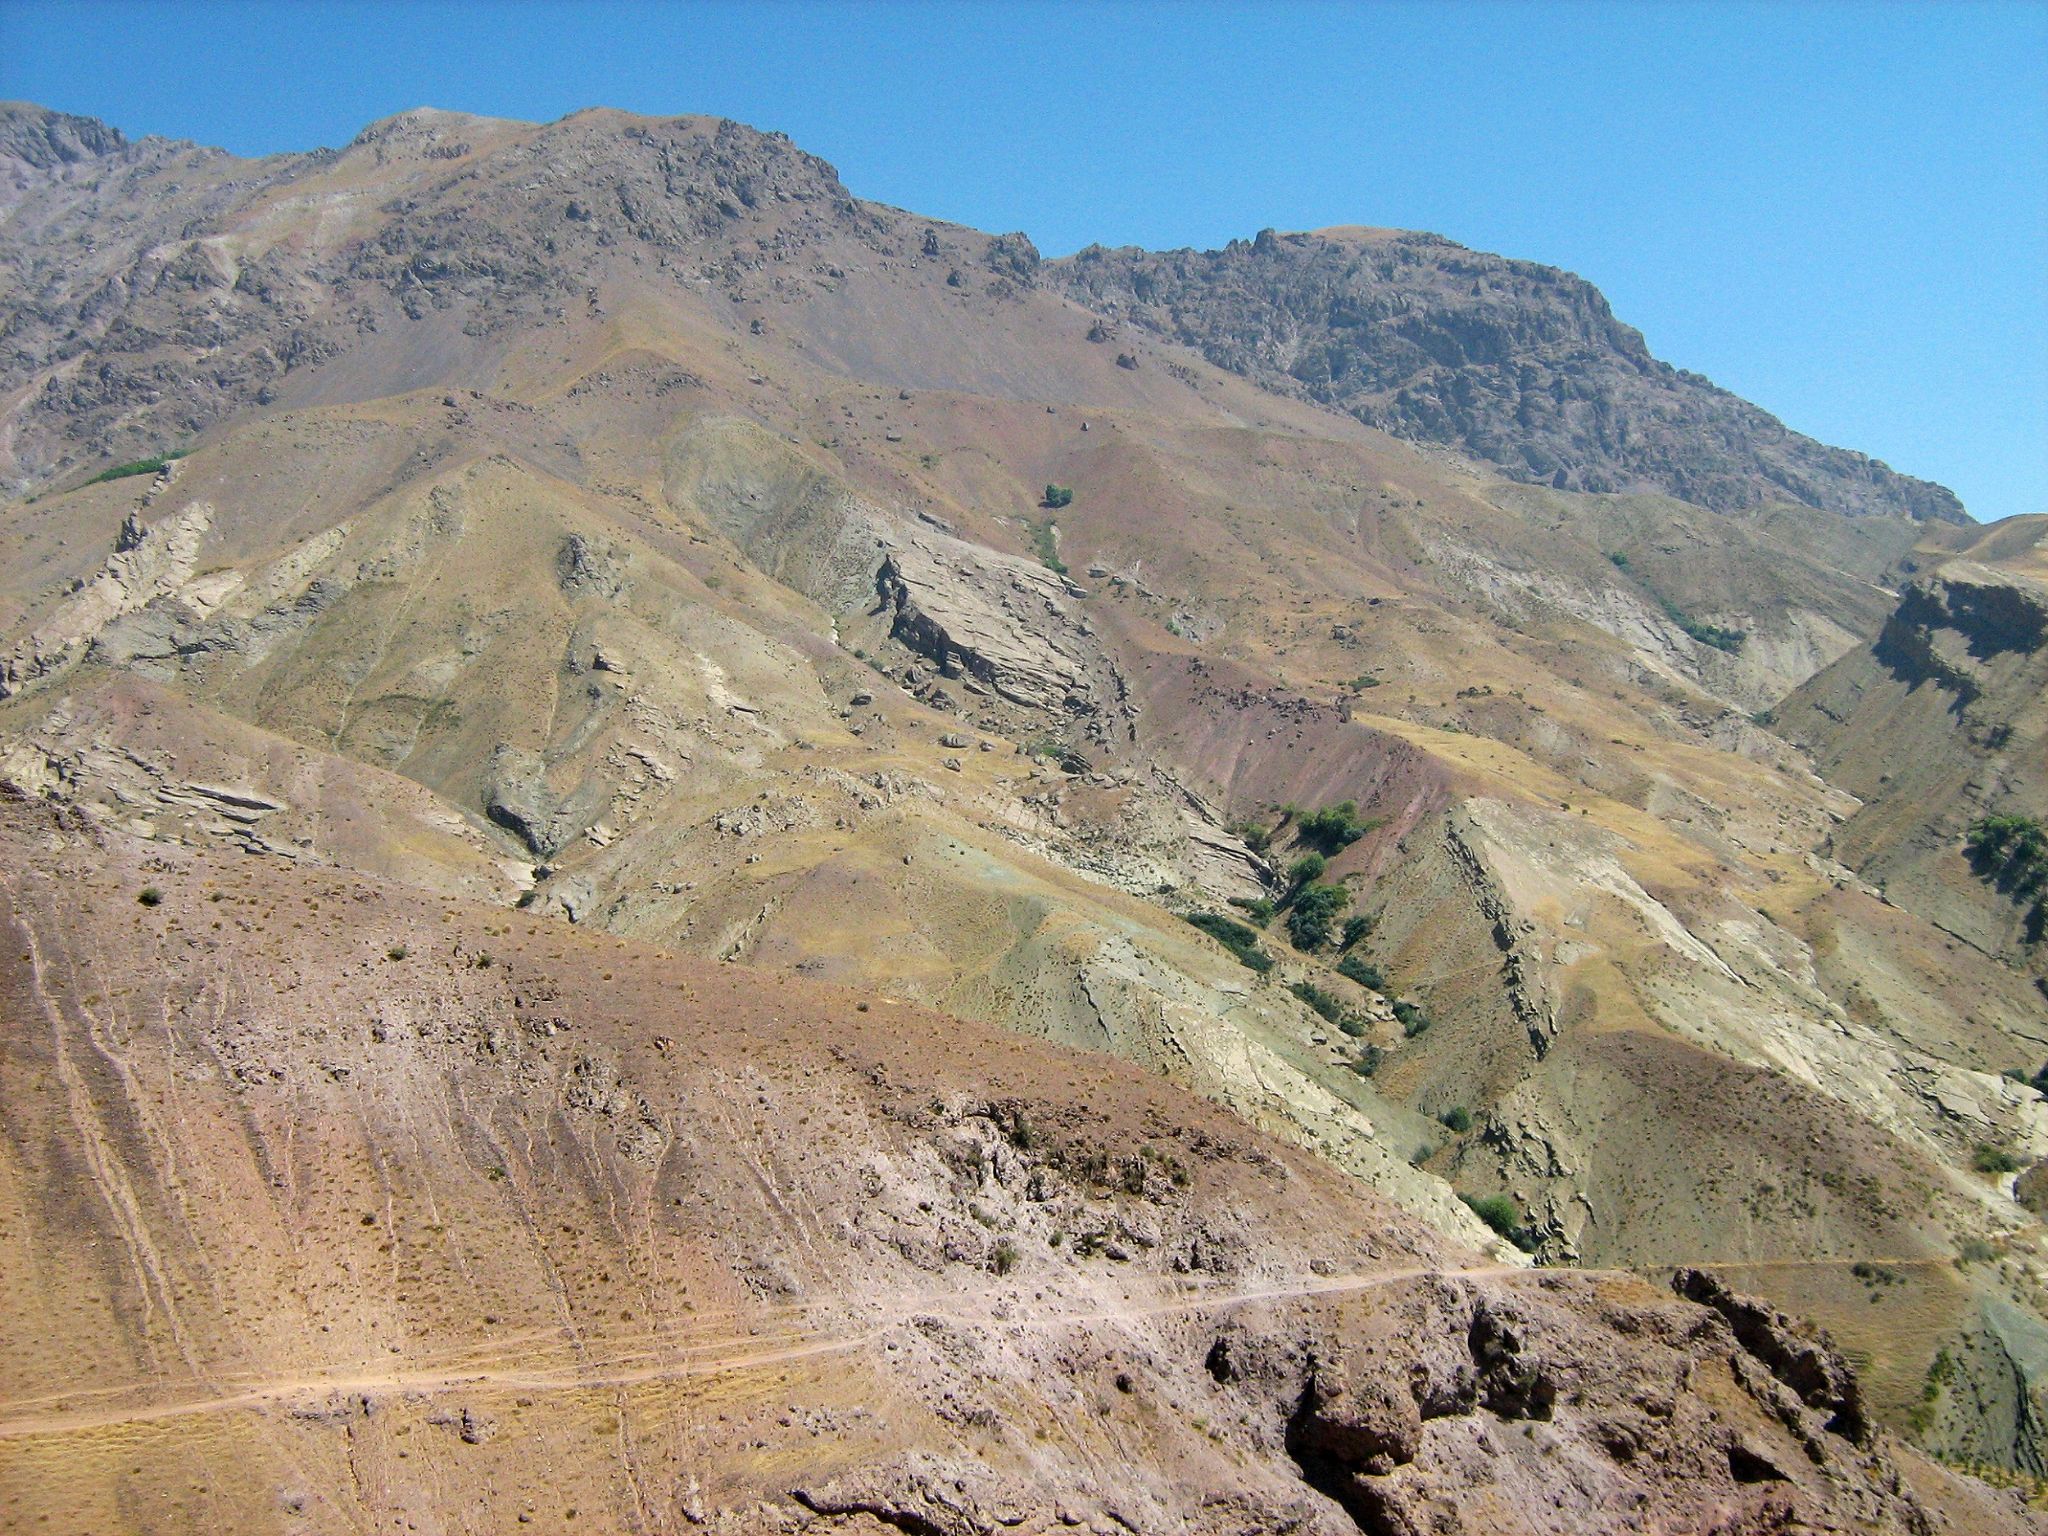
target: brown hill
<point>1941,722</point>
<point>333,1206</point>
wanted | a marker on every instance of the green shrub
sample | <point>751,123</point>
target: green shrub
<point>1367,1061</point>
<point>149,896</point>
<point>1057,496</point>
<point>1457,1120</point>
<point>1252,835</point>
<point>1314,912</point>
<point>1257,908</point>
<point>1730,640</point>
<point>1331,1008</point>
<point>1306,869</point>
<point>138,467</point>
<point>1005,1257</point>
<point>1235,937</point>
<point>1356,927</point>
<point>1412,1019</point>
<point>1499,1213</point>
<point>1335,828</point>
<point>1974,1250</point>
<point>1990,1159</point>
<point>1353,968</point>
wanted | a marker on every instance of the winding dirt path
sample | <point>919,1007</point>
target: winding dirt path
<point>668,1354</point>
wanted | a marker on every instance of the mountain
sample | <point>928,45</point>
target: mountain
<point>804,633</point>
<point>1518,364</point>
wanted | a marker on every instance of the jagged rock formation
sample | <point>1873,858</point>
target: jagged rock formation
<point>1518,364</point>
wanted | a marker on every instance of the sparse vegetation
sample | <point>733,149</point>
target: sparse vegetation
<point>1730,640</point>
<point>1005,1257</point>
<point>1045,539</point>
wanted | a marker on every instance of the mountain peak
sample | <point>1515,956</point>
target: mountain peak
<point>1519,364</point>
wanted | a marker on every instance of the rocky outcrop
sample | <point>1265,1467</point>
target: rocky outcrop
<point>1518,364</point>
<point>1809,1366</point>
<point>1941,721</point>
<point>149,562</point>
<point>999,619</point>
<point>1463,1397</point>
<point>1950,624</point>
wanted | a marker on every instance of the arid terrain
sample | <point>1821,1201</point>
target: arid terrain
<point>683,852</point>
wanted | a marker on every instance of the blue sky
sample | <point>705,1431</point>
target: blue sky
<point>1839,211</point>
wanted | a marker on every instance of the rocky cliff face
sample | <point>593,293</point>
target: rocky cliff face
<point>1518,364</point>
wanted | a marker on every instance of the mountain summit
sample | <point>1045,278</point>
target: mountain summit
<point>1521,365</point>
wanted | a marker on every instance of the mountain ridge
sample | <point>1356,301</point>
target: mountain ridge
<point>1546,384</point>
<point>1529,371</point>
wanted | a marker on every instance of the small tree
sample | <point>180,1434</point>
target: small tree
<point>1057,496</point>
<point>1306,870</point>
